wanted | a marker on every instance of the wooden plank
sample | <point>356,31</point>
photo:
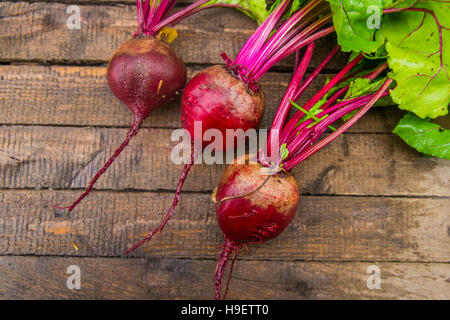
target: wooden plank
<point>354,164</point>
<point>73,95</point>
<point>107,2</point>
<point>67,95</point>
<point>325,228</point>
<point>45,278</point>
<point>79,96</point>
<point>37,31</point>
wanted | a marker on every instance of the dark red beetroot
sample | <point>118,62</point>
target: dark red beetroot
<point>251,207</point>
<point>220,101</point>
<point>269,204</point>
<point>144,73</point>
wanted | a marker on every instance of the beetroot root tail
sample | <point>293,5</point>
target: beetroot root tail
<point>176,199</point>
<point>228,248</point>
<point>236,252</point>
<point>131,133</point>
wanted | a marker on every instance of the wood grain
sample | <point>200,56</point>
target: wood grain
<point>58,157</point>
<point>45,278</point>
<point>366,199</point>
<point>38,32</point>
<point>79,96</point>
<point>325,228</point>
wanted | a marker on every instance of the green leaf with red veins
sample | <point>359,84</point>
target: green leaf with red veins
<point>355,23</point>
<point>412,43</point>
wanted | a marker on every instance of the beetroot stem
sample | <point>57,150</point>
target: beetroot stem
<point>292,123</point>
<point>131,133</point>
<point>173,19</point>
<point>305,135</point>
<point>302,136</point>
<point>295,44</point>
<point>257,40</point>
<point>289,28</point>
<point>283,110</point>
<point>299,41</point>
<point>371,76</point>
<point>310,135</point>
<point>190,10</point>
<point>140,17</point>
<point>176,199</point>
<point>315,73</point>
<point>281,34</point>
<point>153,7</point>
<point>164,11</point>
<point>304,85</point>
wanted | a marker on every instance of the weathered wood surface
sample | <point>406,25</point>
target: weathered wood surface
<point>58,157</point>
<point>104,28</point>
<point>45,278</point>
<point>79,96</point>
<point>326,228</point>
<point>366,199</point>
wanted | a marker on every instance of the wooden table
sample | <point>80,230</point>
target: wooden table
<point>367,199</point>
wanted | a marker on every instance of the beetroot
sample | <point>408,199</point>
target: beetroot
<point>255,202</point>
<point>220,101</point>
<point>263,213</point>
<point>252,207</point>
<point>145,73</point>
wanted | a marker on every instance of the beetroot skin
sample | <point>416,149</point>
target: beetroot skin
<point>220,101</point>
<point>260,215</point>
<point>145,73</point>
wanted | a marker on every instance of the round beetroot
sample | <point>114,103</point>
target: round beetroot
<point>251,207</point>
<point>145,73</point>
<point>220,101</point>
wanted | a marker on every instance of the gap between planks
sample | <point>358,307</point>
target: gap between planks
<point>206,259</point>
<point>209,192</point>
